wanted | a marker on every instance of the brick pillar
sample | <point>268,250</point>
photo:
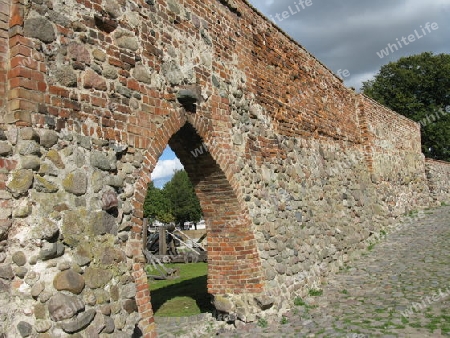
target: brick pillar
<point>4,54</point>
<point>143,300</point>
<point>366,136</point>
<point>26,74</point>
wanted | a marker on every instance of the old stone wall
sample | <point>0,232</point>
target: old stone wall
<point>69,198</point>
<point>438,175</point>
<point>396,160</point>
<point>295,173</point>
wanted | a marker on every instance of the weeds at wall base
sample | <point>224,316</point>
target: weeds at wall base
<point>262,323</point>
<point>315,292</point>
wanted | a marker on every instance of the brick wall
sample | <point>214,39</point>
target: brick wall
<point>299,171</point>
<point>393,147</point>
<point>4,54</point>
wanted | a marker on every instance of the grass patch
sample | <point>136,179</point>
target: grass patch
<point>315,292</point>
<point>262,323</point>
<point>309,307</point>
<point>345,267</point>
<point>345,292</point>
<point>284,320</point>
<point>433,325</point>
<point>413,213</point>
<point>445,329</point>
<point>298,301</point>
<point>184,296</point>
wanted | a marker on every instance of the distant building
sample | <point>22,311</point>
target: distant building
<point>191,226</point>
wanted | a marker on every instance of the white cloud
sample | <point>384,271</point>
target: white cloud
<point>166,168</point>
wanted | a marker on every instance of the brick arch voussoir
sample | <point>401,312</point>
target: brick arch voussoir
<point>157,144</point>
<point>222,156</point>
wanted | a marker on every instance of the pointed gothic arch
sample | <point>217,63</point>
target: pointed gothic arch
<point>234,266</point>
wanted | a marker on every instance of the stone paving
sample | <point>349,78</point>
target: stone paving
<point>399,288</point>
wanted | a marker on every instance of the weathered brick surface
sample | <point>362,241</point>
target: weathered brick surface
<point>294,171</point>
<point>4,57</point>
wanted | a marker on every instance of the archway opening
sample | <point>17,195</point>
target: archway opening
<point>176,240</point>
<point>233,262</point>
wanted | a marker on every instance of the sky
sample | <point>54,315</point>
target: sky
<point>167,164</point>
<point>348,36</point>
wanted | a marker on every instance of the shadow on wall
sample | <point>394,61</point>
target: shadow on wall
<point>137,333</point>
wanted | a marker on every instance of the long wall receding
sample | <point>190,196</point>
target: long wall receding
<point>300,173</point>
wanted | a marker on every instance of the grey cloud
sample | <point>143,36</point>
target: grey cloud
<point>347,34</point>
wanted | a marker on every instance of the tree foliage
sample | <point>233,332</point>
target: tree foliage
<point>185,205</point>
<point>157,206</point>
<point>176,202</point>
<point>418,87</point>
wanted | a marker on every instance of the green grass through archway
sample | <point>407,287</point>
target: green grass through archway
<point>184,296</point>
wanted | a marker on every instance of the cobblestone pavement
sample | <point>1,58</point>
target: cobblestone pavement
<point>399,288</point>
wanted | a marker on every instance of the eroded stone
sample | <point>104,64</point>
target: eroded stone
<point>21,180</point>
<point>40,28</point>
<point>61,307</point>
<point>69,280</point>
<point>97,278</point>
<point>19,258</point>
<point>79,323</point>
<point>76,183</point>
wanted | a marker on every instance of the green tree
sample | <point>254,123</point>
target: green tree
<point>185,205</point>
<point>418,87</point>
<point>157,206</point>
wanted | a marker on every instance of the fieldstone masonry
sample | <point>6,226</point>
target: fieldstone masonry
<point>300,172</point>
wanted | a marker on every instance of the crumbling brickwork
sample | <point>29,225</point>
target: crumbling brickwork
<point>299,174</point>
